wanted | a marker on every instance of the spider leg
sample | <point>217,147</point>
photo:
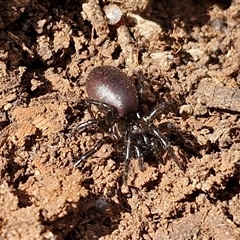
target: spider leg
<point>127,155</point>
<point>106,107</point>
<point>92,123</point>
<point>105,125</point>
<point>139,157</point>
<point>155,112</point>
<point>140,86</point>
<point>99,144</point>
<point>110,111</point>
<point>166,145</point>
<point>86,125</point>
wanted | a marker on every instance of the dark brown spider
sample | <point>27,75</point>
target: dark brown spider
<point>117,97</point>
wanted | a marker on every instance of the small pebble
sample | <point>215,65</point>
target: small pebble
<point>218,24</point>
<point>113,13</point>
<point>186,110</point>
<point>7,107</point>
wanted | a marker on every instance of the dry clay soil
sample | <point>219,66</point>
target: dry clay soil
<point>189,55</point>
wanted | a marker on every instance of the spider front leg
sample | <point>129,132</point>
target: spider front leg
<point>130,142</point>
<point>165,144</point>
<point>88,154</point>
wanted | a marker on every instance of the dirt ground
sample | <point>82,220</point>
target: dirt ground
<point>189,55</point>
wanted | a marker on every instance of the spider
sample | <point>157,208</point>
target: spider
<point>117,97</point>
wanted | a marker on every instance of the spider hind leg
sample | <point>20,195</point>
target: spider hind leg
<point>98,145</point>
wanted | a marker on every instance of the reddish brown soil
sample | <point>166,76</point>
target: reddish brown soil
<point>189,53</point>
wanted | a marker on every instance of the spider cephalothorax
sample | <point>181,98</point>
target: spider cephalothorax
<point>117,97</point>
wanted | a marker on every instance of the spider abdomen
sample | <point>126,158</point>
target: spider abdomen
<point>110,85</point>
